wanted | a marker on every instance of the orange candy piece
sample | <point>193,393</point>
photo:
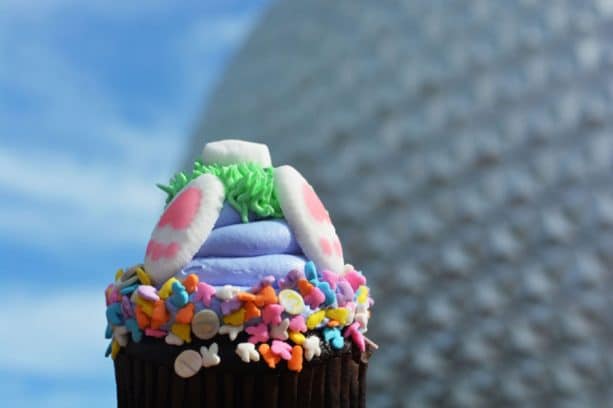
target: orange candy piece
<point>265,296</point>
<point>304,286</point>
<point>295,363</point>
<point>159,315</point>
<point>141,318</point>
<point>185,314</point>
<point>246,297</point>
<point>191,282</point>
<point>333,323</point>
<point>269,357</point>
<point>251,311</point>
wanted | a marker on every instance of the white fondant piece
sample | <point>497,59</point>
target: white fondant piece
<point>183,227</point>
<point>230,151</point>
<point>309,219</point>
<point>188,363</point>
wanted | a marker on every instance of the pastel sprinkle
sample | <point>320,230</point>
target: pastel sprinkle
<point>179,295</point>
<point>166,288</point>
<point>247,352</point>
<point>362,294</point>
<point>266,296</point>
<point>132,326</point>
<point>355,279</point>
<point>291,301</point>
<point>339,314</point>
<point>182,331</point>
<point>333,337</point>
<point>128,289</point>
<point>203,293</point>
<point>344,293</point>
<point>310,272</point>
<point>230,306</point>
<point>118,274</point>
<point>159,315</point>
<point>315,298</point>
<point>295,362</point>
<point>146,306</point>
<point>126,307</point>
<point>142,276</point>
<point>281,349</point>
<point>311,347</point>
<point>113,314</point>
<point>108,333</point>
<point>231,331</point>
<point>356,336</point>
<point>141,318</point>
<point>114,349</point>
<point>269,357</point>
<point>330,277</point>
<point>296,337</point>
<point>315,319</point>
<point>272,313</point>
<point>185,314</point>
<point>155,333</point>
<point>191,282</point>
<point>279,331</point>
<point>259,333</point>
<point>298,324</point>
<point>251,311</point>
<point>173,339</point>
<point>148,292</point>
<point>236,318</point>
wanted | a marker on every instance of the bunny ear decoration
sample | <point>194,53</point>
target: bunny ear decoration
<point>309,219</point>
<point>185,224</point>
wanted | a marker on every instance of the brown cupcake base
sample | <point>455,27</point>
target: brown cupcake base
<point>145,377</point>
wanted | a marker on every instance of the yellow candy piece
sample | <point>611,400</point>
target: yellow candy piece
<point>236,318</point>
<point>339,314</point>
<point>362,294</point>
<point>114,349</point>
<point>142,276</point>
<point>166,288</point>
<point>291,301</point>
<point>296,337</point>
<point>145,305</point>
<point>314,319</point>
<point>118,274</point>
<point>182,331</point>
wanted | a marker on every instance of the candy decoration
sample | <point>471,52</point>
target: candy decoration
<point>272,313</point>
<point>269,357</point>
<point>279,331</point>
<point>282,349</point>
<point>230,151</point>
<point>183,227</point>
<point>185,314</point>
<point>205,324</point>
<point>309,219</point>
<point>231,331</point>
<point>247,352</point>
<point>311,347</point>
<point>182,331</point>
<point>173,340</point>
<point>259,333</point>
<point>298,324</point>
<point>356,336</point>
<point>191,283</point>
<point>236,318</point>
<point>315,319</point>
<point>332,336</point>
<point>188,363</point>
<point>210,356</point>
<point>291,301</point>
<point>295,362</point>
<point>297,337</point>
<point>203,293</point>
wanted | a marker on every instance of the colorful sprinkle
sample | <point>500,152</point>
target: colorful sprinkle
<point>295,362</point>
<point>272,313</point>
<point>315,319</point>
<point>269,357</point>
<point>236,318</point>
<point>297,323</point>
<point>311,347</point>
<point>291,301</point>
<point>259,333</point>
<point>247,352</point>
<point>281,349</point>
<point>182,331</point>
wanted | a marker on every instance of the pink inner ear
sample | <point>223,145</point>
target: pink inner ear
<point>157,250</point>
<point>314,204</point>
<point>325,245</point>
<point>181,212</point>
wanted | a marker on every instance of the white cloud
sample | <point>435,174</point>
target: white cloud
<point>54,334</point>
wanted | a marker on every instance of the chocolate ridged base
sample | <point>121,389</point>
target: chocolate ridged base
<point>335,379</point>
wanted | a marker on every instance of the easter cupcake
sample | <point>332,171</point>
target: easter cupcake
<point>243,298</point>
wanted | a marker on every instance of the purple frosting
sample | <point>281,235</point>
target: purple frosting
<point>241,271</point>
<point>227,216</point>
<point>251,239</point>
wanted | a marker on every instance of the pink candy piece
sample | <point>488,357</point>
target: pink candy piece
<point>330,277</point>
<point>259,333</point>
<point>148,292</point>
<point>314,298</point>
<point>272,313</point>
<point>282,349</point>
<point>204,292</point>
<point>355,279</point>
<point>356,336</point>
<point>114,296</point>
<point>155,333</point>
<point>297,324</point>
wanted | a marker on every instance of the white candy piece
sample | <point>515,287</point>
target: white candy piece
<point>188,363</point>
<point>173,339</point>
<point>311,347</point>
<point>231,331</point>
<point>205,324</point>
<point>185,224</point>
<point>247,352</point>
<point>210,356</point>
<point>226,292</point>
<point>279,331</point>
<point>309,219</point>
<point>230,151</point>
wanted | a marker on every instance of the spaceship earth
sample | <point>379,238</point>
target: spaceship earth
<point>465,152</point>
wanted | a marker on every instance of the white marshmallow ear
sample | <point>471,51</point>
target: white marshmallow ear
<point>309,219</point>
<point>185,224</point>
<point>230,151</point>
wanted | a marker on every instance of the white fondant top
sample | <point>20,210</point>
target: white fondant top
<point>231,151</point>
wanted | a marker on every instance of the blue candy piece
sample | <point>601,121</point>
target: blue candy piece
<point>328,292</point>
<point>127,291</point>
<point>332,336</point>
<point>108,350</point>
<point>109,332</point>
<point>113,314</point>
<point>179,295</point>
<point>136,333</point>
<point>310,272</point>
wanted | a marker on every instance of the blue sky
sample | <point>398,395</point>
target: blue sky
<point>97,102</point>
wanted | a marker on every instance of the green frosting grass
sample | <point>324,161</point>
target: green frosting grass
<point>249,187</point>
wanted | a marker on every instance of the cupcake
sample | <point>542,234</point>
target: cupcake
<point>243,298</point>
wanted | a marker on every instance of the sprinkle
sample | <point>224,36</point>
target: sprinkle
<point>325,288</point>
<point>315,319</point>
<point>362,320</point>
<point>210,356</point>
<point>118,274</point>
<point>108,332</point>
<point>269,357</point>
<point>126,307</point>
<point>272,313</point>
<point>362,294</point>
<point>279,331</point>
<point>148,292</point>
<point>231,331</point>
<point>136,334</point>
<point>297,323</point>
<point>247,352</point>
<point>259,333</point>
<point>251,311</point>
<point>281,349</point>
<point>146,306</point>
<point>291,279</point>
<point>266,296</point>
<point>179,295</point>
<point>227,292</point>
<point>296,337</point>
<point>127,290</point>
<point>155,333</point>
<point>230,306</point>
<point>205,324</point>
<point>203,293</point>
<point>185,314</point>
<point>330,277</point>
<point>311,347</point>
<point>120,334</point>
<point>315,298</point>
<point>114,349</point>
<point>142,276</point>
<point>310,272</point>
<point>356,336</point>
<point>141,318</point>
<point>191,282</point>
<point>173,340</point>
<point>355,279</point>
<point>265,281</point>
<point>339,314</point>
<point>113,314</point>
<point>188,363</point>
<point>332,336</point>
<point>305,287</point>
<point>295,362</point>
<point>114,295</point>
<point>344,293</point>
<point>291,301</point>
<point>236,318</point>
<point>159,315</point>
<point>166,288</point>
<point>182,331</point>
